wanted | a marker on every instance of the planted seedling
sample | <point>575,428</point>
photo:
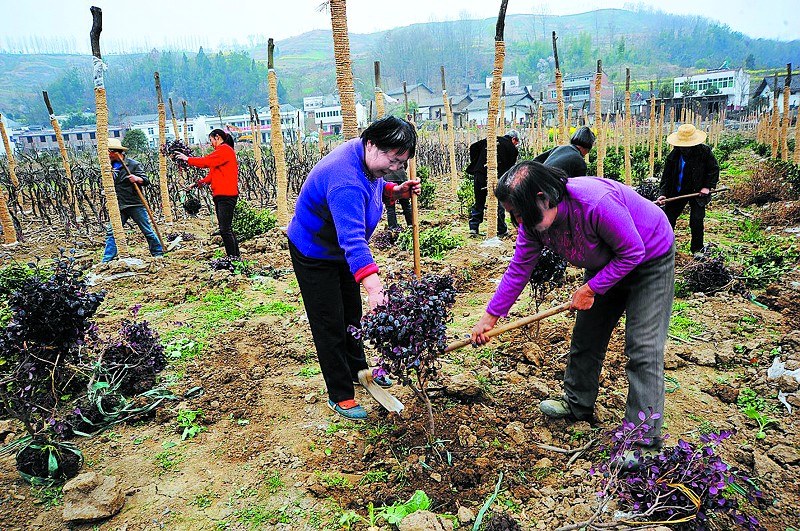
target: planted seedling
<point>409,331</point>
<point>189,421</point>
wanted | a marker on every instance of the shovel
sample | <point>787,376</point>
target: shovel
<point>511,326</point>
<point>696,194</point>
<point>381,395</point>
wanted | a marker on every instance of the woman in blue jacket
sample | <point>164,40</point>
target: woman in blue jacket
<point>338,208</point>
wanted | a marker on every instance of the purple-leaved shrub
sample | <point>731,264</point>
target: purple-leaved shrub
<point>134,357</point>
<point>409,330</point>
<point>688,486</point>
<point>42,345</point>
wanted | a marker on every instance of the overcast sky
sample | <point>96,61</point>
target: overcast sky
<point>149,23</point>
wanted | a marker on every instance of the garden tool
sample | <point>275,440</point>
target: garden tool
<point>146,206</point>
<point>696,194</point>
<point>383,397</point>
<point>511,326</point>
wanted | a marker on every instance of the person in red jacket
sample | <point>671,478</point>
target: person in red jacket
<point>223,177</point>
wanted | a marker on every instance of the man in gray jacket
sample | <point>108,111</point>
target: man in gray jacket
<point>128,174</point>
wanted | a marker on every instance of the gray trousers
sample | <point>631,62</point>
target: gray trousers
<point>645,296</point>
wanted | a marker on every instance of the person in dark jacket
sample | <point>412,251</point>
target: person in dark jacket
<point>223,177</point>
<point>128,174</point>
<point>398,177</point>
<point>570,158</point>
<point>507,153</point>
<point>689,168</point>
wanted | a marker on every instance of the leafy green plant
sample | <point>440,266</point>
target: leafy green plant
<point>428,193</point>
<point>309,371</point>
<point>433,242</point>
<point>465,193</point>
<point>189,421</point>
<point>762,420</point>
<point>49,497</point>
<point>395,513</point>
<point>249,222</point>
<point>167,460</point>
<point>769,261</point>
<point>374,476</point>
<point>334,480</point>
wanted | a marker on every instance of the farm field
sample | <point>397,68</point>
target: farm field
<point>265,452</point>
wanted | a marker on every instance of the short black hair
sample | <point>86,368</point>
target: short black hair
<point>390,133</point>
<point>521,184</point>
<point>583,137</point>
<point>225,136</point>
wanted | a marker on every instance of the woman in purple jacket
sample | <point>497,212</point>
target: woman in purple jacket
<point>338,208</point>
<point>626,245</point>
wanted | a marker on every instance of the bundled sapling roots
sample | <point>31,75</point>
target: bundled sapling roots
<point>705,274</point>
<point>192,205</point>
<point>547,275</point>
<point>649,188</point>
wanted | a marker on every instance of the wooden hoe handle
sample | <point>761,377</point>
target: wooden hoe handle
<point>511,326</point>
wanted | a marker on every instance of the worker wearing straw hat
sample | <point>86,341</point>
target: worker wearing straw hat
<point>128,174</point>
<point>689,168</point>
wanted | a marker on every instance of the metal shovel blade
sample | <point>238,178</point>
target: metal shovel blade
<point>381,395</point>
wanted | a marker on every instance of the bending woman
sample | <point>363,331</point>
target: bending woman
<point>627,247</point>
<point>223,176</point>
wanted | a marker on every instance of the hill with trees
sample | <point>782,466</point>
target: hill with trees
<point>655,45</point>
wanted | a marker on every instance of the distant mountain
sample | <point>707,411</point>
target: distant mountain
<point>654,45</point>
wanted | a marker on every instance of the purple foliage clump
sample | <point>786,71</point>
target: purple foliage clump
<point>41,346</point>
<point>185,236</point>
<point>136,356</point>
<point>170,149</point>
<point>386,239</point>
<point>409,331</point>
<point>234,264</point>
<point>687,484</point>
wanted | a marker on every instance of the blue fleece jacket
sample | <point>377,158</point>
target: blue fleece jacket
<point>338,209</point>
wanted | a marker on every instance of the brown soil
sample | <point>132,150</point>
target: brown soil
<point>274,456</point>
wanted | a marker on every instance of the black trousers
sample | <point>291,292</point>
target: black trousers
<point>697,213</point>
<point>476,213</point>
<point>332,299</point>
<point>225,205</point>
<point>391,213</point>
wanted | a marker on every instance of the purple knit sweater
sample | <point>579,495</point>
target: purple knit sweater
<point>602,226</point>
<point>338,209</point>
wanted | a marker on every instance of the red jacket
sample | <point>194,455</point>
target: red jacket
<point>223,173</point>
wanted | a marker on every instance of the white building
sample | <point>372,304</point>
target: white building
<point>509,81</point>
<point>734,84</point>
<point>238,125</point>
<point>10,126</point>
<point>329,118</point>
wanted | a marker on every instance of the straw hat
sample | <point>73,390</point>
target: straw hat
<point>115,145</point>
<point>686,136</point>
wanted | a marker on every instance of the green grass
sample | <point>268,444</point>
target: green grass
<point>274,308</point>
<point>258,516</point>
<point>309,371</point>
<point>682,326</point>
<point>273,481</point>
